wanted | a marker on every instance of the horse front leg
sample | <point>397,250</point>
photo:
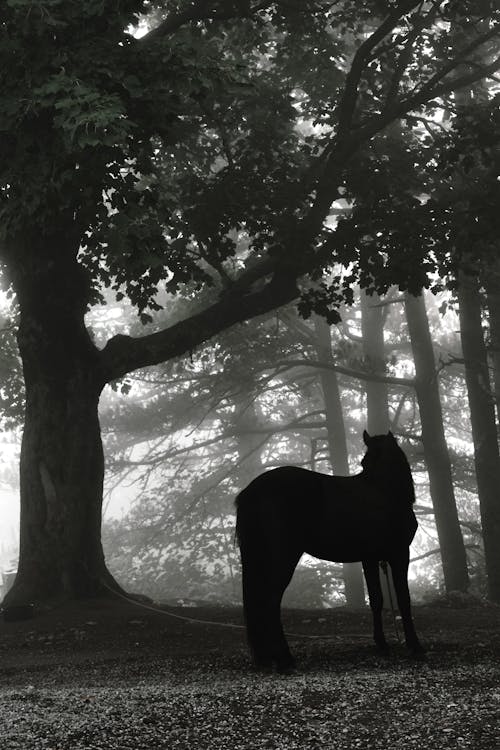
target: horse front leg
<point>399,568</point>
<point>372,578</point>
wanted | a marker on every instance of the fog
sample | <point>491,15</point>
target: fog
<point>181,440</point>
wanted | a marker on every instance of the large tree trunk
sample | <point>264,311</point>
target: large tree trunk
<point>337,448</point>
<point>61,456</point>
<point>482,417</point>
<point>453,556</point>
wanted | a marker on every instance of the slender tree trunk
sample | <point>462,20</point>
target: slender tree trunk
<point>492,284</point>
<point>249,466</point>
<point>372,323</point>
<point>377,395</point>
<point>337,446</point>
<point>482,416</point>
<point>61,456</point>
<point>250,444</point>
<point>453,556</point>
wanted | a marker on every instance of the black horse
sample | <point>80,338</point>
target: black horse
<point>288,511</point>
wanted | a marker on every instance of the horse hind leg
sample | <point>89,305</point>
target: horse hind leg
<point>282,572</point>
<point>255,607</point>
<point>263,588</point>
<point>372,578</point>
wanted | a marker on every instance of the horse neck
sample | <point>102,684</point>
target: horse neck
<point>394,481</point>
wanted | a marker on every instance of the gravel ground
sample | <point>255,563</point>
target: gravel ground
<point>115,677</point>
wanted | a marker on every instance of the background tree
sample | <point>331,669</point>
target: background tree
<point>337,445</point>
<point>437,460</point>
<point>458,181</point>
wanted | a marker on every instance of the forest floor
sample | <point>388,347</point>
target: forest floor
<point>112,675</point>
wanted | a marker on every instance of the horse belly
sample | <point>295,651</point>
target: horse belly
<point>347,555</point>
<point>338,547</point>
<point>353,542</point>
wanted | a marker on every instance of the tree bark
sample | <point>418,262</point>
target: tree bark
<point>337,448</point>
<point>453,556</point>
<point>62,466</point>
<point>482,417</point>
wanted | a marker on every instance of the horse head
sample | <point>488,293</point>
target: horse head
<point>385,464</point>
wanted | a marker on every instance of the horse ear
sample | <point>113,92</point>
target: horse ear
<point>366,438</point>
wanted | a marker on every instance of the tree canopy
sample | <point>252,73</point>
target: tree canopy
<point>209,151</point>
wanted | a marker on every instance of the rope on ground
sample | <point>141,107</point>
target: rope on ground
<point>214,623</point>
<point>161,611</point>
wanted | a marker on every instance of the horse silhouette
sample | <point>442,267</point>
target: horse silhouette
<point>287,511</point>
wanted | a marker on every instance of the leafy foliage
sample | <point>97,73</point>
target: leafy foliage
<point>11,376</point>
<point>156,152</point>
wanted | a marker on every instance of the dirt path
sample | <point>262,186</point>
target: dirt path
<point>117,676</point>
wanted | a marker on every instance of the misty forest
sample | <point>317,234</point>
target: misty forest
<point>235,235</point>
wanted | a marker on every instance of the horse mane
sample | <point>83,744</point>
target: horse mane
<point>404,484</point>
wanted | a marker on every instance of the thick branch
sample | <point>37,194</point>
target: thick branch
<point>124,354</point>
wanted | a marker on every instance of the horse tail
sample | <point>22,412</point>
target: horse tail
<point>251,538</point>
<point>249,529</point>
<point>239,532</point>
<point>254,553</point>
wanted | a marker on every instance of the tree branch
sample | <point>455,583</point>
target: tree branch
<point>349,97</point>
<point>405,56</point>
<point>296,425</point>
<point>459,59</point>
<point>198,11</point>
<point>437,550</point>
<point>357,374</point>
<point>423,96</point>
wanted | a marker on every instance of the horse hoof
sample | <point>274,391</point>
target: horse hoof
<point>417,652</point>
<point>285,665</point>
<point>264,666</point>
<point>285,668</point>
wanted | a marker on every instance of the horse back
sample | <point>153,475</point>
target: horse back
<point>330,517</point>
